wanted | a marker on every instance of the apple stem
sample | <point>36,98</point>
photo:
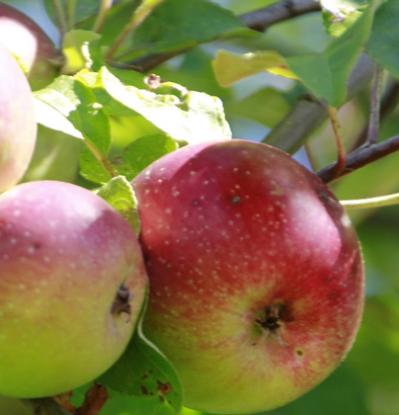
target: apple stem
<point>139,15</point>
<point>372,202</point>
<point>105,7</point>
<point>310,156</point>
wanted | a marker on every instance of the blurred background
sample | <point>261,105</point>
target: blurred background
<point>367,383</point>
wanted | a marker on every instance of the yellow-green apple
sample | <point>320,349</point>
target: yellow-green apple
<point>29,45</point>
<point>72,283</point>
<point>255,272</point>
<point>17,121</point>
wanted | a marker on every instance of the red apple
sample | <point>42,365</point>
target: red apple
<point>17,121</point>
<point>29,44</point>
<point>72,283</point>
<point>255,271</point>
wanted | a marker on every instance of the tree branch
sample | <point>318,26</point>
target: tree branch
<point>361,157</point>
<point>262,19</point>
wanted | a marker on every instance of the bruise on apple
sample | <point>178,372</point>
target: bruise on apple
<point>256,274</point>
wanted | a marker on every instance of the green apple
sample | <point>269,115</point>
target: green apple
<point>17,121</point>
<point>72,284</point>
<point>255,272</point>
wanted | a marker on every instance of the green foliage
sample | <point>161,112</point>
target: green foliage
<point>115,122</point>
<point>383,44</point>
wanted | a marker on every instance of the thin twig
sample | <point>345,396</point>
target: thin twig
<point>71,13</point>
<point>262,19</point>
<point>336,126</point>
<point>95,399</point>
<point>375,103</point>
<point>105,7</point>
<point>361,157</point>
<point>140,14</point>
<point>372,202</point>
<point>389,102</point>
<point>61,18</point>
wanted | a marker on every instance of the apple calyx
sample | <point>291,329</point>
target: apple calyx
<point>121,303</point>
<point>273,317</point>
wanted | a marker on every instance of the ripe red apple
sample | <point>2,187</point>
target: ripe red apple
<point>255,272</point>
<point>29,44</point>
<point>72,283</point>
<point>17,121</point>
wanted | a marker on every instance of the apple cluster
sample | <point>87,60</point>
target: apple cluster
<point>256,277</point>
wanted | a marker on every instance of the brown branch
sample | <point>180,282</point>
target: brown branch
<point>262,19</point>
<point>361,157</point>
<point>259,20</point>
<point>95,399</point>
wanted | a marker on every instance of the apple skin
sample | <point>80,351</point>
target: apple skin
<point>256,276</point>
<point>29,44</point>
<point>17,122</point>
<point>64,256</point>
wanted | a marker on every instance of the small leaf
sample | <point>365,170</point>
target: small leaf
<point>83,9</point>
<point>193,117</point>
<point>230,67</point>
<point>383,45</point>
<point>55,103</point>
<point>326,74</point>
<point>76,49</point>
<point>142,152</point>
<point>175,25</point>
<point>143,371</point>
<point>118,192</point>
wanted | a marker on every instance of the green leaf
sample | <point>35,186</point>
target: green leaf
<point>54,105</point>
<point>76,49</point>
<point>267,106</point>
<point>175,24</point>
<point>191,117</point>
<point>340,15</point>
<point>383,45</point>
<point>144,372</point>
<point>230,67</point>
<point>326,74</point>
<point>70,106</point>
<point>118,192</point>
<point>83,9</point>
<point>142,152</point>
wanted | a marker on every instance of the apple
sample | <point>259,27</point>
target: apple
<point>72,284</point>
<point>17,122</point>
<point>255,271</point>
<point>29,44</point>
